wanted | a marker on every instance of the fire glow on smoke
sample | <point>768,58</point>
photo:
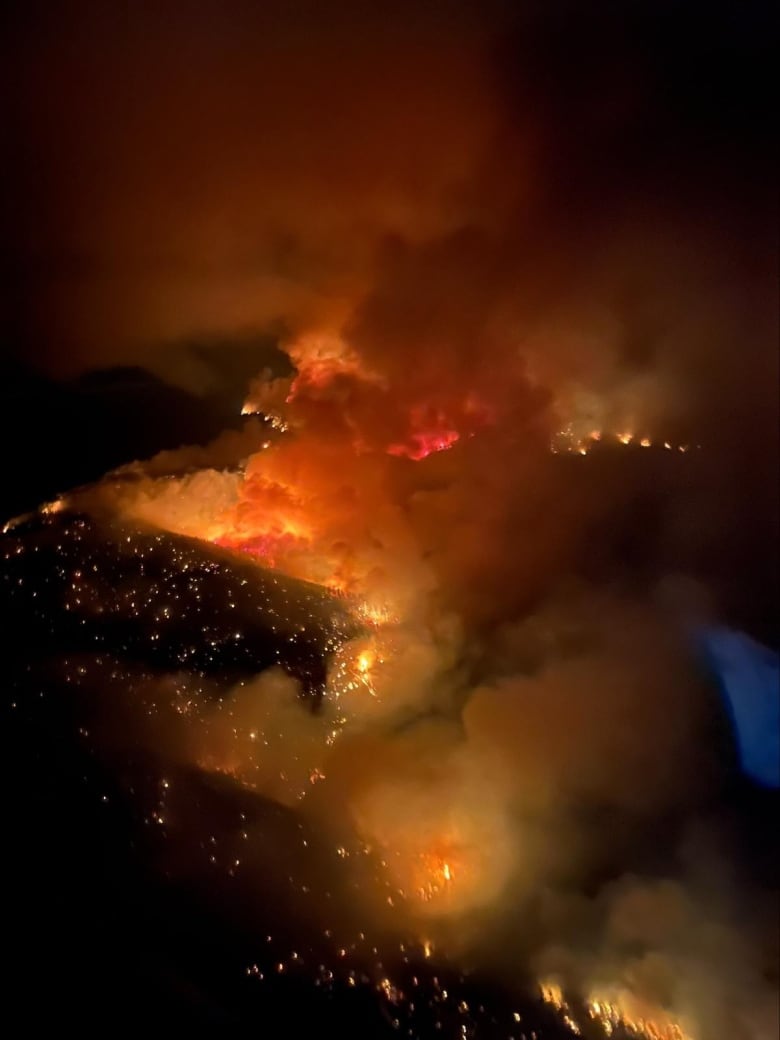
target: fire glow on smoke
<point>431,806</point>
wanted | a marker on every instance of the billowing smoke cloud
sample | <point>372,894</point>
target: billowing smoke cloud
<point>452,189</point>
<point>643,945</point>
<point>470,231</point>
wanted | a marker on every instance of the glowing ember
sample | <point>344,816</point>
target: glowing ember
<point>571,442</point>
<point>389,991</point>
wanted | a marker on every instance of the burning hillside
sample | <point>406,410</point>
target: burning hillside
<point>323,561</point>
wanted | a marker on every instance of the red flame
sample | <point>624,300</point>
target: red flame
<point>431,430</point>
<point>426,443</point>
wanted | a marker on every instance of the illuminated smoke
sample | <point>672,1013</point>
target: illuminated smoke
<point>447,759</point>
<point>452,316</point>
<point>448,810</point>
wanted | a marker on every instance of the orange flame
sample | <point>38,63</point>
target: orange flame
<point>436,872</point>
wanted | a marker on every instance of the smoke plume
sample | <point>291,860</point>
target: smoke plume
<point>476,235</point>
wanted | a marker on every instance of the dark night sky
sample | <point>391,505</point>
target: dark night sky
<point>219,167</point>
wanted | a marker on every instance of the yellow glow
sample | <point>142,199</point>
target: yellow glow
<point>552,994</point>
<point>434,875</point>
<point>623,1011</point>
<point>650,1023</point>
<point>54,507</point>
<point>374,615</point>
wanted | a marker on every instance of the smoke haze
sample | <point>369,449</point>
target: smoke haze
<point>471,234</point>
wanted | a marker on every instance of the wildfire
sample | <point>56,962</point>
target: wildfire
<point>567,441</point>
<point>435,873</point>
<point>375,616</point>
<point>654,1024</point>
<point>268,546</point>
<point>444,851</point>
<point>356,667</point>
<point>365,663</point>
<point>552,994</point>
<point>54,507</point>
<point>274,420</point>
<point>431,430</point>
<point>626,1013</point>
<point>322,358</point>
<point>421,445</point>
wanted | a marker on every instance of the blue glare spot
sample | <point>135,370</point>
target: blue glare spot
<point>749,678</point>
